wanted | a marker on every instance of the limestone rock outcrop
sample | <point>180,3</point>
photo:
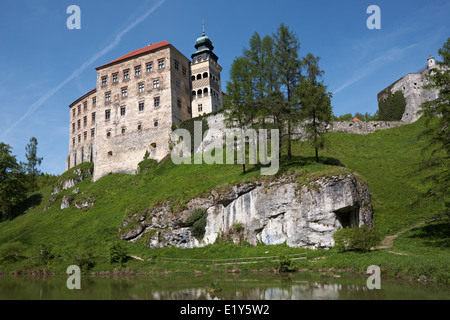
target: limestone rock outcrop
<point>272,212</point>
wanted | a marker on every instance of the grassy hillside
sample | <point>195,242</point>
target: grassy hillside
<point>389,160</point>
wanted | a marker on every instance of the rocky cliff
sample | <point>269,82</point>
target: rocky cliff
<point>301,212</point>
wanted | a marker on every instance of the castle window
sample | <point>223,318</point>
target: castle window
<point>85,135</point>
<point>199,76</point>
<point>156,102</point>
<point>161,64</point>
<point>141,106</point>
<point>153,145</point>
<point>205,92</point>
<point>122,111</point>
<point>155,123</point>
<point>126,74</point>
<point>85,106</point>
<point>156,83</point>
<point>93,116</point>
<point>84,121</point>
<point>186,89</point>
<point>141,87</point>
<point>139,127</point>
<point>108,133</point>
<point>200,108</point>
<point>176,65</point>
<point>92,132</point>
<point>193,78</point>
<point>108,96</point>
<point>137,71</point>
<point>73,127</point>
<point>110,153</point>
<point>94,101</point>
<point>205,75</point>
<point>79,138</point>
<point>179,103</point>
<point>115,77</point>
<point>124,92</point>
<point>107,114</point>
<point>78,124</point>
<point>149,67</point>
<point>73,142</point>
<point>79,110</point>
<point>123,130</point>
<point>177,84</point>
<point>184,71</point>
<point>73,112</point>
<point>199,92</point>
<point>104,81</point>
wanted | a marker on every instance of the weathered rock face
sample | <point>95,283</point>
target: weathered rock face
<point>270,212</point>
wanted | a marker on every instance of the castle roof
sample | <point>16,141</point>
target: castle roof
<point>83,97</point>
<point>137,52</point>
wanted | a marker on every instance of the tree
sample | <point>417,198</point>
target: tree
<point>12,187</point>
<point>392,108</point>
<point>315,103</point>
<point>437,114</point>
<point>288,67</point>
<point>33,162</point>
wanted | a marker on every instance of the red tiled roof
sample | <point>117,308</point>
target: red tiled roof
<point>138,52</point>
<point>356,119</point>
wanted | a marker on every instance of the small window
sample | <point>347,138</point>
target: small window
<point>115,77</point>
<point>161,64</point>
<point>184,71</point>
<point>84,121</point>
<point>122,111</point>
<point>177,84</point>
<point>199,76</point>
<point>93,116</point>
<point>73,112</point>
<point>149,67</point>
<point>94,101</point>
<point>179,103</point>
<point>176,65</point>
<point>73,127</point>
<point>107,114</point>
<point>92,133</point>
<point>156,102</point>
<point>200,108</point>
<point>124,130</point>
<point>108,134</point>
<point>79,110</point>
<point>137,71</point>
<point>205,75</point>
<point>78,124</point>
<point>85,106</point>
<point>108,96</point>
<point>110,153</point>
<point>156,83</point>
<point>193,78</point>
<point>139,127</point>
<point>141,106</point>
<point>85,135</point>
<point>153,145</point>
<point>73,142</point>
<point>79,138</point>
<point>124,92</point>
<point>141,87</point>
<point>155,123</point>
<point>104,81</point>
<point>126,74</point>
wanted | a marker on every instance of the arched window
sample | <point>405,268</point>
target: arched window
<point>205,75</point>
<point>205,92</point>
<point>199,92</point>
<point>194,94</point>
<point>199,76</point>
<point>193,78</point>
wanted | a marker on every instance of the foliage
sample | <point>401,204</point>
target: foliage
<point>33,162</point>
<point>356,239</point>
<point>12,181</point>
<point>146,164</point>
<point>11,252</point>
<point>286,264</point>
<point>392,108</point>
<point>197,223</point>
<point>437,131</point>
<point>117,253</point>
<point>85,260</point>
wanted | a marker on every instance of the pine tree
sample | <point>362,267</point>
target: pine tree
<point>33,162</point>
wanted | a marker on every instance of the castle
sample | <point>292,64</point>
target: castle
<point>412,86</point>
<point>138,98</point>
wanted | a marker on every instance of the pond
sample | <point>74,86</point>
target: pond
<point>220,287</point>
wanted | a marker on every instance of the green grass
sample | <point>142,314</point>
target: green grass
<point>389,161</point>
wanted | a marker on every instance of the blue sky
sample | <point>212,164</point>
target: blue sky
<point>45,66</point>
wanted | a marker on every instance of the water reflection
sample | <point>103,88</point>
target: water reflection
<point>224,287</point>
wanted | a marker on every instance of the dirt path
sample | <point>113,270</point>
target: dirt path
<point>387,242</point>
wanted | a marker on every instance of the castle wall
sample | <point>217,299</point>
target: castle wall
<point>142,120</point>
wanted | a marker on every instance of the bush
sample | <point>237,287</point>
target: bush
<point>146,164</point>
<point>392,108</point>
<point>11,252</point>
<point>197,223</point>
<point>356,239</point>
<point>286,264</point>
<point>85,260</point>
<point>117,253</point>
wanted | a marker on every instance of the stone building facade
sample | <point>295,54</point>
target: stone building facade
<point>412,86</point>
<point>138,98</point>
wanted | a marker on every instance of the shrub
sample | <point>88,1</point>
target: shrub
<point>356,239</point>
<point>146,164</point>
<point>11,252</point>
<point>392,108</point>
<point>197,223</point>
<point>85,260</point>
<point>117,253</point>
<point>286,264</point>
